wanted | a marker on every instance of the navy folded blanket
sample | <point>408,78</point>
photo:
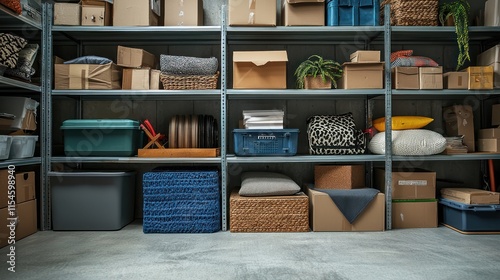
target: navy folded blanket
<point>351,202</point>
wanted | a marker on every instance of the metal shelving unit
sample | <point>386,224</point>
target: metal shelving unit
<point>17,22</point>
<point>306,159</point>
<point>20,162</point>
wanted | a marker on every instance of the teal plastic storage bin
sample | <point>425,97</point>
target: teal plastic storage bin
<point>265,142</point>
<point>352,12</point>
<point>101,137</point>
<point>470,217</point>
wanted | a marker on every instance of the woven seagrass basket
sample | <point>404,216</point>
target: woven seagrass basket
<point>412,12</point>
<point>183,82</point>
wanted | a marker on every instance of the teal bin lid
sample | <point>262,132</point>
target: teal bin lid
<point>100,124</point>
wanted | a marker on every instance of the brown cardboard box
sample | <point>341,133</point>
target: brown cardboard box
<point>489,133</point>
<point>23,108</point>
<point>459,120</point>
<point>24,186</point>
<point>456,80</point>
<point>24,220</point>
<point>135,58</point>
<point>362,75</point>
<point>87,76</point>
<point>183,12</point>
<point>492,13</point>
<point>135,79</point>
<point>495,114</point>
<point>408,184</point>
<point>96,13</point>
<point>488,145</point>
<point>154,79</point>
<point>67,14</point>
<point>134,13</point>
<point>491,57</point>
<point>431,77</point>
<point>480,77</point>
<point>471,196</point>
<point>259,69</point>
<point>339,176</point>
<point>365,56</point>
<point>252,13</point>
<point>414,214</point>
<point>325,216</point>
<point>303,13</point>
<point>405,78</point>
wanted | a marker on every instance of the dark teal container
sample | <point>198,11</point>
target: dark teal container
<point>101,137</point>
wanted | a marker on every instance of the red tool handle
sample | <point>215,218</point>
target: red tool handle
<point>149,127</point>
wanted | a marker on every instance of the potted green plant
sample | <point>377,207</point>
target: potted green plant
<point>318,73</point>
<point>458,11</point>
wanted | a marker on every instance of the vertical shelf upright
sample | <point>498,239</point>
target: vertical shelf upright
<point>388,114</point>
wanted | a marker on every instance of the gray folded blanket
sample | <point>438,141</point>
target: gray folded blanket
<point>351,202</point>
<point>187,65</point>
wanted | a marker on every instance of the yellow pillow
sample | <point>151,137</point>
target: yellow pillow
<point>403,122</point>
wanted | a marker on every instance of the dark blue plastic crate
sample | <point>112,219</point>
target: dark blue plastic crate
<point>470,217</point>
<point>352,12</point>
<point>265,142</point>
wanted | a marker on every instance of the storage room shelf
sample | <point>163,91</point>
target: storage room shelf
<point>303,94</point>
<point>306,159</point>
<point>443,94</point>
<point>142,94</point>
<point>458,157</point>
<point>20,162</point>
<point>16,22</point>
<point>7,82</point>
<point>133,160</point>
<point>442,33</point>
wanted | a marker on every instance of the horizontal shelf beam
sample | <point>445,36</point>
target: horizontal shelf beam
<point>133,160</point>
<point>13,21</point>
<point>458,157</point>
<point>141,94</point>
<point>20,162</point>
<point>305,159</point>
<point>4,81</point>
<point>303,94</point>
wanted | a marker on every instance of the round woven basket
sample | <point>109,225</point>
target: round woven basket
<point>183,82</point>
<point>412,12</point>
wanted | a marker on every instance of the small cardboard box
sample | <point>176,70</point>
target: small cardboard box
<point>135,58</point>
<point>154,79</point>
<point>135,79</point>
<point>96,13</point>
<point>67,14</point>
<point>480,77</point>
<point>495,114</point>
<point>303,13</point>
<point>431,77</point>
<point>491,57</point>
<point>259,69</point>
<point>471,196</point>
<point>325,216</point>
<point>183,13</point>
<point>408,184</point>
<point>339,176</point>
<point>456,80</point>
<point>489,133</point>
<point>365,56</point>
<point>24,221</point>
<point>252,13</point>
<point>24,186</point>
<point>405,78</point>
<point>87,76</point>
<point>135,13</point>
<point>362,75</point>
<point>459,120</point>
<point>492,13</point>
<point>414,214</point>
<point>488,145</point>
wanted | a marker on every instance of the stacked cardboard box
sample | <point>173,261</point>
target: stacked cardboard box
<point>259,69</point>
<point>471,196</point>
<point>430,77</point>
<point>491,57</point>
<point>459,120</point>
<point>139,69</point>
<point>489,140</point>
<point>136,12</point>
<point>96,12</point>
<point>303,13</point>
<point>252,13</point>
<point>365,71</point>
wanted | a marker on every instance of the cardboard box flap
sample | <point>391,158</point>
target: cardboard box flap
<point>260,58</point>
<point>431,70</point>
<point>364,66</point>
<point>406,70</point>
<point>304,1</point>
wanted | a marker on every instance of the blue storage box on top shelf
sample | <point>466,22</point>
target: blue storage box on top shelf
<point>265,142</point>
<point>470,217</point>
<point>352,12</point>
<point>101,137</point>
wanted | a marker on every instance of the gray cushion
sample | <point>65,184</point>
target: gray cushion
<point>267,184</point>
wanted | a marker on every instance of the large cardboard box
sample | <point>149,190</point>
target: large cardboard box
<point>135,13</point>
<point>489,133</point>
<point>339,176</point>
<point>491,57</point>
<point>325,216</point>
<point>67,14</point>
<point>492,13</point>
<point>24,221</point>
<point>471,196</point>
<point>488,145</point>
<point>495,114</point>
<point>96,13</point>
<point>405,78</point>
<point>365,56</point>
<point>408,184</point>
<point>480,77</point>
<point>24,187</point>
<point>252,13</point>
<point>430,77</point>
<point>135,58</point>
<point>414,214</point>
<point>183,12</point>
<point>303,13</point>
<point>456,80</point>
<point>87,76</point>
<point>362,75</point>
<point>259,69</point>
<point>137,79</point>
<point>459,120</point>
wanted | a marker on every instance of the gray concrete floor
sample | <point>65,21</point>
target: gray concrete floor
<point>438,253</point>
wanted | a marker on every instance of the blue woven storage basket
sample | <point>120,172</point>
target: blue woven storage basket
<point>181,201</point>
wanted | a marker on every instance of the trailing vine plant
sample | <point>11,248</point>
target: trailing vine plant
<point>459,10</point>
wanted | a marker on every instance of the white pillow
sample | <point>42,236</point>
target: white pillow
<point>411,142</point>
<point>266,184</point>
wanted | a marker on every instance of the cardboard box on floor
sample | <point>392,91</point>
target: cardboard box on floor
<point>405,78</point>
<point>87,76</point>
<point>136,13</point>
<point>252,13</point>
<point>459,120</point>
<point>97,13</point>
<point>430,77</point>
<point>480,77</point>
<point>456,80</point>
<point>471,196</point>
<point>491,57</point>
<point>408,184</point>
<point>259,69</point>
<point>303,12</point>
<point>24,221</point>
<point>325,216</point>
<point>491,145</point>
<point>135,58</point>
<point>67,14</point>
<point>183,12</point>
<point>339,176</point>
<point>362,75</point>
<point>365,56</point>
<point>414,214</point>
<point>25,186</point>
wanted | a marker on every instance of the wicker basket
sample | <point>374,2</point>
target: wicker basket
<point>182,82</point>
<point>269,213</point>
<point>412,12</point>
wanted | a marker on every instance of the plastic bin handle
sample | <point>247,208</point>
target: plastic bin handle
<point>485,208</point>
